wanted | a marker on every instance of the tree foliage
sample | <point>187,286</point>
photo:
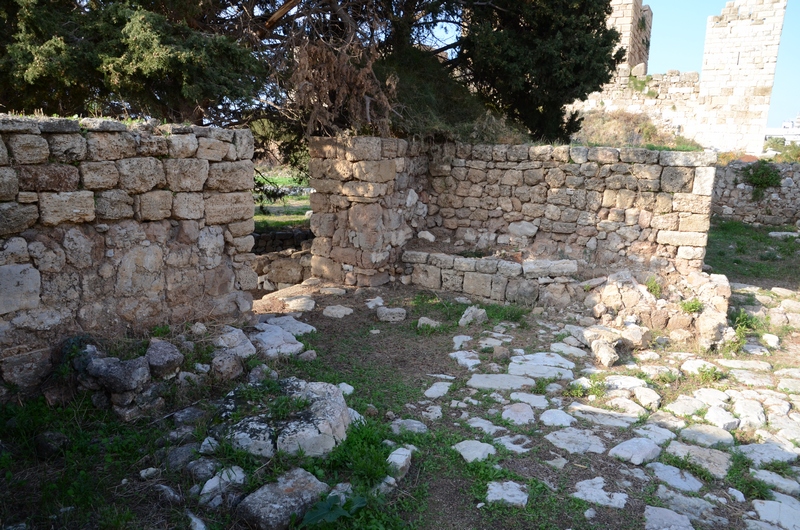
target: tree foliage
<point>317,66</point>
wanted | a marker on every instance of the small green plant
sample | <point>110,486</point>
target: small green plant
<point>332,509</point>
<point>783,469</point>
<point>709,374</point>
<point>653,287</point>
<point>740,478</point>
<point>688,465</point>
<point>160,331</point>
<point>691,306</point>
<point>761,175</point>
<point>541,385</point>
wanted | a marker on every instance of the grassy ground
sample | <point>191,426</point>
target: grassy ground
<point>288,213</point>
<point>746,254</point>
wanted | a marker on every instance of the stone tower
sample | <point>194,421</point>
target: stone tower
<point>634,23</point>
<point>741,51</point>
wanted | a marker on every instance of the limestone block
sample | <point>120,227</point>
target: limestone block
<point>10,124</point>
<point>48,177</point>
<point>691,252</point>
<point>322,267</point>
<point>694,159</point>
<point>187,174</point>
<point>110,146</point>
<point>579,155</point>
<point>647,172</point>
<point>452,281</point>
<point>604,155</point>
<point>140,273</point>
<point>522,292</point>
<point>102,124</point>
<point>99,175</point>
<point>443,261</point>
<point>694,222</point>
<point>26,370</point>
<point>138,175</point>
<point>523,229</point>
<point>113,204</point>
<point>67,207</point>
<point>27,148</point>
<point>363,148</point>
<point>364,189</point>
<point>325,185</point>
<point>182,146</point>
<point>152,146</point>
<point>21,286</point>
<point>413,256</point>
<point>704,178</point>
<point>375,171</point>
<point>230,176</point>
<point>15,218</point>
<point>677,179</point>
<point>3,153</point>
<point>427,276</point>
<point>9,184</point>
<point>153,205</point>
<point>67,147</point>
<point>244,244</point>
<point>242,228</point>
<point>223,208</point>
<point>509,269</point>
<point>211,149</point>
<point>665,222</point>
<point>243,140</point>
<point>478,284</point>
<point>678,239</point>
<point>687,202</point>
<point>663,203</point>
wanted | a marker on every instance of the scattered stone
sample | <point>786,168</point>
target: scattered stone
<point>425,321</point>
<point>427,236</point>
<point>414,426</point>
<point>655,433</point>
<point>346,389</point>
<point>473,450</point>
<point>675,478</point>
<point>437,390</point>
<point>209,446</point>
<point>736,495</point>
<point>539,402</point>
<point>149,473</point>
<point>432,413</point>
<point>722,418</point>
<point>291,325</point>
<point>273,505</point>
<point>463,300</point>
<point>605,353</point>
<point>391,314</point>
<point>715,462</point>
<point>499,382</point>
<point>337,311</point>
<point>648,398</point>
<point>308,355</point>
<point>50,444</point>
<point>576,441</point>
<point>518,414</point>
<point>473,314</point>
<point>195,523</point>
<point>400,461</point>
<point>666,420</point>
<point>273,341</point>
<point>566,349</point>
<point>663,519</point>
<point>592,491</point>
<point>636,451</point>
<point>372,303</point>
<point>695,509</point>
<point>685,406</point>
<point>333,291</point>
<point>299,303</point>
<point>508,493</point>
<point>707,435</point>
<point>164,358</point>
<point>485,425</point>
<point>168,495</point>
<point>468,359</point>
<point>221,482</point>
<point>460,340</point>
<point>782,484</point>
<point>627,406</point>
<point>235,342</point>
<point>119,376</point>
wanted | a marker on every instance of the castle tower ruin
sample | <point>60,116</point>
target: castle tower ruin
<point>634,23</point>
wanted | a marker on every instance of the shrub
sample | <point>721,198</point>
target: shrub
<point>761,175</point>
<point>653,287</point>
<point>691,306</point>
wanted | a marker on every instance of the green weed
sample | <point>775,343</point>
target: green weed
<point>686,464</point>
<point>691,306</point>
<point>653,287</point>
<point>740,478</point>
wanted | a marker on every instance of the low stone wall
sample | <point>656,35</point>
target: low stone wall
<point>106,229</point>
<point>279,270</point>
<point>277,240</point>
<point>780,206</point>
<point>598,206</point>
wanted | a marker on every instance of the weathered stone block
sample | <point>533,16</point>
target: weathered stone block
<point>364,189</point>
<point>9,184</point>
<point>241,228</point>
<point>152,146</point>
<point>224,208</point>
<point>691,252</point>
<point>230,176</point>
<point>243,140</point>
<point>67,147</point>
<point>675,158</point>
<point>687,202</point>
<point>427,276</point>
<point>326,268</point>
<point>413,256</point>
<point>182,146</point>
<point>523,229</point>
<point>323,224</point>
<point>677,179</point>
<point>604,155</point>
<point>28,148</point>
<point>679,239</point>
<point>113,204</point>
<point>110,146</point>
<point>486,265</point>
<point>48,177</point>
<point>375,171</point>
<point>694,222</point>
<point>102,124</point>
<point>11,124</point>
<point>464,264</point>
<point>211,149</point>
<point>138,175</point>
<point>15,218</point>
<point>704,180</point>
<point>509,269</point>
<point>363,148</point>
<point>99,175</point>
<point>665,222</point>
<point>186,174</point>
<point>153,205</point>
<point>443,261</point>
<point>187,206</point>
<point>452,281</point>
<point>478,284</point>
<point>26,370</point>
<point>21,287</point>
<point>67,207</point>
<point>3,153</point>
<point>522,292</point>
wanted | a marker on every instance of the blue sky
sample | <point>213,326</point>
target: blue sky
<point>679,28</point>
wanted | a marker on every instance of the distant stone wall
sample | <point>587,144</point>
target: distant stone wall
<point>780,206</point>
<point>106,229</point>
<point>277,240</point>
<point>599,207</point>
<point>634,23</point>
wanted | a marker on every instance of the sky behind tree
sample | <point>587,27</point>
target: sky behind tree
<point>679,30</point>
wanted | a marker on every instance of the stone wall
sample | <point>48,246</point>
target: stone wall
<point>634,23</point>
<point>598,207</point>
<point>733,199</point>
<point>106,229</point>
<point>726,107</point>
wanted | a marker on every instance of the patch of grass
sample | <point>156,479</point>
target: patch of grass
<point>505,313</point>
<point>687,465</point>
<point>740,478</point>
<point>783,469</point>
<point>288,213</point>
<point>708,375</point>
<point>653,287</point>
<point>742,319</point>
<point>361,458</point>
<point>160,331</point>
<point>691,306</point>
<point>541,385</point>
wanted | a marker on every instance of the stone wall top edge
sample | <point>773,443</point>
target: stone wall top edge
<point>10,124</point>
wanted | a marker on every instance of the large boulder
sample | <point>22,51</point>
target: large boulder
<point>271,507</point>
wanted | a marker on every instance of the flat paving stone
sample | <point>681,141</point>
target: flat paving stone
<point>516,443</point>
<point>694,508</point>
<point>684,406</point>
<point>556,418</point>
<point>337,311</point>
<point>778,513</point>
<point>782,484</point>
<point>721,418</point>
<point>707,435</point>
<point>749,378</point>
<point>544,358</point>
<point>695,366</point>
<point>791,386</point>
<point>576,441</point>
<point>518,414</point>
<point>666,420</point>
<point>460,340</point>
<point>758,366</point>
<point>507,492</point>
<point>438,390</point>
<point>624,382</point>
<point>656,518</point>
<point>592,491</point>
<point>715,462</point>
<point>473,450</point>
<point>627,406</point>
<point>751,413</point>
<point>535,401</point>
<point>485,425</point>
<point>566,349</point>
<point>675,478</point>
<point>648,398</point>
<point>658,434</point>
<point>499,382</point>
<point>607,418</point>
<point>637,451</point>
<point>398,426</point>
<point>765,453</point>
<point>711,396</point>
<point>467,358</point>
